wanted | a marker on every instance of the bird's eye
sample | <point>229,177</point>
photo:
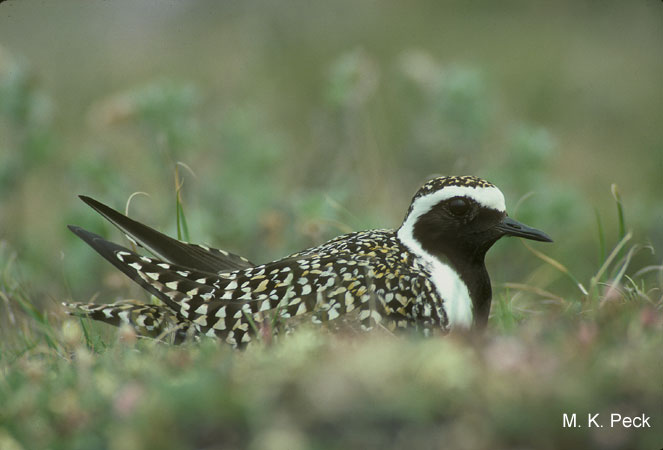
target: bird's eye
<point>459,206</point>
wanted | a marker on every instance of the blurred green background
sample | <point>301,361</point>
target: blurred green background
<point>303,120</point>
<point>293,122</point>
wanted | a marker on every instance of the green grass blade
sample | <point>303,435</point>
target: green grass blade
<point>252,324</point>
<point>86,334</point>
<point>601,232</point>
<point>40,319</point>
<point>620,210</point>
<point>596,279</point>
<point>557,265</point>
<point>182,226</point>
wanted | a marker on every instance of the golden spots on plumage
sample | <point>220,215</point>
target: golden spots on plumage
<point>467,181</point>
<point>262,286</point>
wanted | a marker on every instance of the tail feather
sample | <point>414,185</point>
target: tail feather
<point>153,321</point>
<point>110,251</point>
<point>171,250</point>
<point>179,270</point>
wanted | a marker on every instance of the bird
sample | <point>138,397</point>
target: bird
<point>428,275</point>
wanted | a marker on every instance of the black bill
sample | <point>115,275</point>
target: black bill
<point>512,227</point>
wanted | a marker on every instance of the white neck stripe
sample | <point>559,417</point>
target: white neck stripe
<point>454,292</point>
<point>451,289</point>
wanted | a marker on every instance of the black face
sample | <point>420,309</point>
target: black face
<point>462,226</point>
<point>459,231</point>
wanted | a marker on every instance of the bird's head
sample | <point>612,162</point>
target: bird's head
<point>460,215</point>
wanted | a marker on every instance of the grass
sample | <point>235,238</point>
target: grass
<point>74,384</point>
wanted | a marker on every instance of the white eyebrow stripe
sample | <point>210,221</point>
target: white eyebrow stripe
<point>487,197</point>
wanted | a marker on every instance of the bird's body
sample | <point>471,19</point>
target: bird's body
<point>428,275</point>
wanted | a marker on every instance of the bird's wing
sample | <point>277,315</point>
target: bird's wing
<point>236,305</point>
<point>171,250</point>
<point>230,305</point>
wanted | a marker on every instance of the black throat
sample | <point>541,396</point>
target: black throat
<point>467,258</point>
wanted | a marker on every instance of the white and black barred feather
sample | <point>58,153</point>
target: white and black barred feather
<point>370,272</point>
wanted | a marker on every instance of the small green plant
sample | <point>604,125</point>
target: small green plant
<point>610,282</point>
